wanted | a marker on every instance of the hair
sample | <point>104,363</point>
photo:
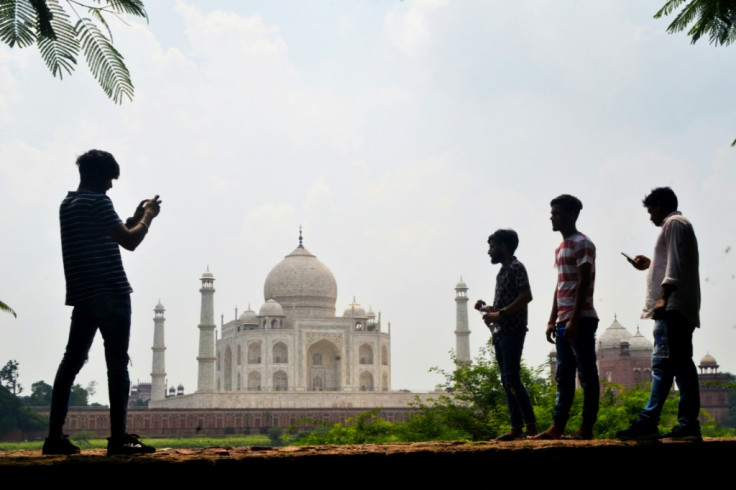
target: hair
<point>506,237</point>
<point>97,164</point>
<point>568,203</point>
<point>664,196</point>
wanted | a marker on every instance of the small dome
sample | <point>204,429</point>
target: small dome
<point>370,313</point>
<point>639,342</point>
<point>172,389</point>
<point>248,317</point>
<point>159,306</point>
<point>354,310</point>
<point>708,361</point>
<point>613,336</point>
<point>207,275</point>
<point>271,308</point>
<point>461,284</point>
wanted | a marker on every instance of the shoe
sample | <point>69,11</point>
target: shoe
<point>511,436</point>
<point>639,431</point>
<point>127,444</point>
<point>584,433</point>
<point>684,433</point>
<point>59,446</point>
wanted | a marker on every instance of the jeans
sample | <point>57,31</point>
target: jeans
<point>672,358</point>
<point>577,355</point>
<point>508,355</point>
<point>111,315</point>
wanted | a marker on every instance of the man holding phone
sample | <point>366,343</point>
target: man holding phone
<point>673,302</point>
<point>98,290</point>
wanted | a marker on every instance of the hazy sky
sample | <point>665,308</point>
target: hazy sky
<point>399,135</point>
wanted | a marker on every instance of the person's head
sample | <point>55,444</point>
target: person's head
<point>97,169</point>
<point>502,245</point>
<point>564,213</point>
<point>659,203</point>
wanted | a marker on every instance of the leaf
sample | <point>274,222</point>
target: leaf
<point>17,23</point>
<point>4,307</point>
<point>132,7</point>
<point>104,61</point>
<point>60,52</point>
<point>43,14</point>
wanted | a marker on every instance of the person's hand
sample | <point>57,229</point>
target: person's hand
<point>660,307</point>
<point>479,304</point>
<point>491,317</point>
<point>138,215</point>
<point>152,206</point>
<point>641,262</point>
<point>571,329</point>
<point>550,333</point>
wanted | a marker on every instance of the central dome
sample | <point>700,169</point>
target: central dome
<point>302,284</point>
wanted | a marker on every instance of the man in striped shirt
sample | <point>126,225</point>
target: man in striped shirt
<point>573,321</point>
<point>98,290</point>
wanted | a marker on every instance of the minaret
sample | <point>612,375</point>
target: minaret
<point>462,331</point>
<point>158,374</point>
<point>206,357</point>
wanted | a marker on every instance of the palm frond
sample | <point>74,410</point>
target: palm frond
<point>60,53</point>
<point>132,7</point>
<point>104,61</point>
<point>17,23</point>
<point>4,307</point>
<point>667,8</point>
<point>43,16</point>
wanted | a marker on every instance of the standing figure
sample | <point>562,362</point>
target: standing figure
<point>507,319</point>
<point>573,321</point>
<point>98,290</point>
<point>673,301</point>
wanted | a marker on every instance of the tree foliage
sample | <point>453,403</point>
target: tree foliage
<point>714,18</point>
<point>49,25</point>
<point>9,377</point>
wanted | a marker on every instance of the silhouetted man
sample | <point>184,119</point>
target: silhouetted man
<point>673,301</point>
<point>507,319</point>
<point>573,321</point>
<point>98,289</point>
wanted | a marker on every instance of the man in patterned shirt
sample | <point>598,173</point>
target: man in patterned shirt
<point>573,321</point>
<point>98,289</point>
<point>507,319</point>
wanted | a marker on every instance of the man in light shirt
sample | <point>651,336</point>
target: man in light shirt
<point>673,301</point>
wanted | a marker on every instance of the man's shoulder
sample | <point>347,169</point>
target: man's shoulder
<point>85,197</point>
<point>516,265</point>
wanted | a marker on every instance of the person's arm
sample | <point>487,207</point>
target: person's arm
<point>674,236</point>
<point>130,237</point>
<point>551,324</point>
<point>523,299</point>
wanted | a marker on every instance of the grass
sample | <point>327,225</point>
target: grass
<point>159,443</point>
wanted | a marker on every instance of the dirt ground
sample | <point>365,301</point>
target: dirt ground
<point>430,462</point>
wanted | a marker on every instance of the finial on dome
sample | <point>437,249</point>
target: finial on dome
<point>300,236</point>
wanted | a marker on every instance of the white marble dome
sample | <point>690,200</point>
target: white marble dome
<point>301,282</point>
<point>271,308</point>
<point>354,310</point>
<point>639,342</point>
<point>248,317</point>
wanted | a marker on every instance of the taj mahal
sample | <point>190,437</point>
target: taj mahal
<point>294,353</point>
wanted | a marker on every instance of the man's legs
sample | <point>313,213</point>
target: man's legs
<point>114,319</point>
<point>508,354</point>
<point>565,378</point>
<point>663,373</point>
<point>81,334</point>
<point>680,336</point>
<point>584,348</point>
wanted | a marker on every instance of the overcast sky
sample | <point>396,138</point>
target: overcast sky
<point>399,134</point>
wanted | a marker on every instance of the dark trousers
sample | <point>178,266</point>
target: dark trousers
<point>111,315</point>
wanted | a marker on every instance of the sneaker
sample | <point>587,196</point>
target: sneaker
<point>59,446</point>
<point>127,444</point>
<point>639,431</point>
<point>681,432</point>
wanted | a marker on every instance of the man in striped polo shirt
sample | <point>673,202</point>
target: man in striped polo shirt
<point>98,290</point>
<point>573,321</point>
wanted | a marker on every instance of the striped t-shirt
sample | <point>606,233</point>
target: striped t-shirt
<point>92,263</point>
<point>573,252</point>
